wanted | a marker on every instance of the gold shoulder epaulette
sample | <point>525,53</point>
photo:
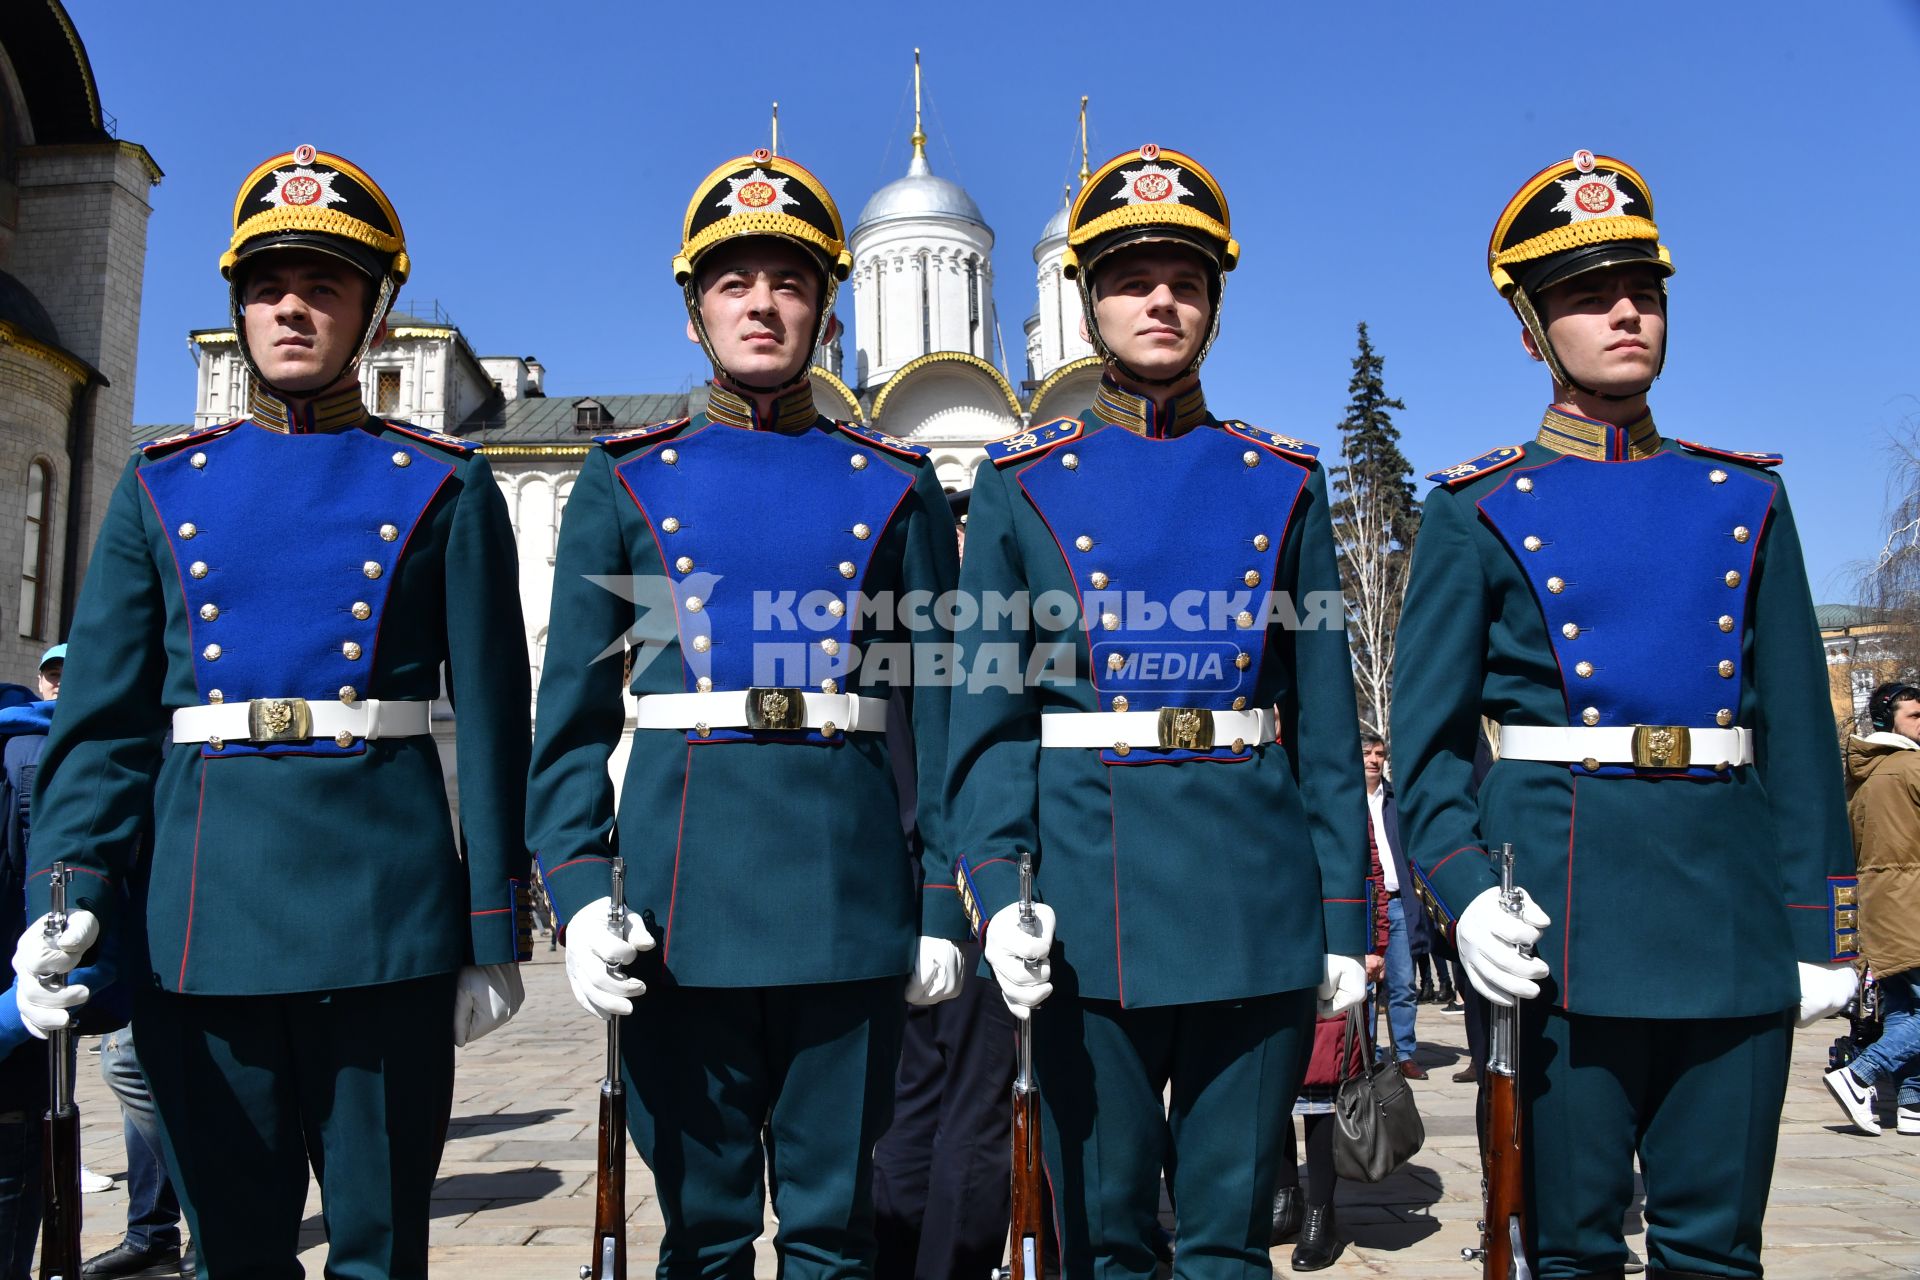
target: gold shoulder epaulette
<point>625,439</point>
<point>439,439</point>
<point>1487,463</point>
<point>1034,441</point>
<point>1299,450</point>
<point>1733,455</point>
<point>166,444</point>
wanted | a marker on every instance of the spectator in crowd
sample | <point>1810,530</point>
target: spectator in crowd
<point>1338,1052</point>
<point>1883,788</point>
<point>23,1060</point>
<point>1389,866</point>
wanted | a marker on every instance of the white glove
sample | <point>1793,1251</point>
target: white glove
<point>593,953</point>
<point>1344,986</point>
<point>936,972</point>
<point>1009,947</point>
<point>484,997</point>
<point>1825,990</point>
<point>45,1007</point>
<point>1489,938</point>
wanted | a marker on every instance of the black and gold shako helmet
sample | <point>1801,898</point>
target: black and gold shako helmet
<point>1583,214</point>
<point>1149,196</point>
<point>762,194</point>
<point>308,199</point>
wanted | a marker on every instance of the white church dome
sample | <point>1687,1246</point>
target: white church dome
<point>921,194</point>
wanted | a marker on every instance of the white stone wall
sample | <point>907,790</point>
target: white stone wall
<point>35,399</point>
<point>902,262</point>
<point>81,246</point>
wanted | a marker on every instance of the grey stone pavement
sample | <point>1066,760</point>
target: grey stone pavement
<point>515,1197</point>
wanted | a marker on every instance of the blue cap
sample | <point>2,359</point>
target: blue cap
<point>56,654</point>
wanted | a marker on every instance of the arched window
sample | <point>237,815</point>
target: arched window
<point>33,551</point>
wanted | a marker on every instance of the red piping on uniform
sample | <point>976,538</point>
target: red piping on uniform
<point>679,838</point>
<point>1113,825</point>
<point>193,879</point>
<point>491,911</point>
<point>1566,935</point>
<point>1450,857</point>
<point>571,862</point>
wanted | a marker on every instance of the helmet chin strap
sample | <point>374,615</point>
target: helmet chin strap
<point>830,291</point>
<point>1106,353</point>
<point>382,303</point>
<point>1523,305</point>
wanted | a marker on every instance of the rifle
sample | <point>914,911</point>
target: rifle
<point>60,1160</point>
<point>609,1260</point>
<point>1502,1250</point>
<point>1024,1248</point>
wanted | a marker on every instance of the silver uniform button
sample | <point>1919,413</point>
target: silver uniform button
<point>351,649</point>
<point>1071,461</point>
<point>343,739</point>
<point>703,685</point>
<point>695,604</point>
<point>862,532</point>
<point>670,524</point>
<point>362,610</point>
<point>389,533</point>
<point>701,644</point>
<point>198,568</point>
<point>846,569</point>
<point>199,460</point>
<point>1717,476</point>
<point>349,694</point>
<point>669,456</point>
<point>371,568</point>
<point>402,459</point>
<point>1590,716</point>
<point>1556,585</point>
<point>683,565</point>
<point>859,462</point>
<point>209,611</point>
<point>1083,543</point>
<point>829,685</point>
<point>1531,543</point>
<point>830,646</point>
<point>215,696</point>
<point>211,653</point>
<point>1571,630</point>
<point>1251,577</point>
<point>1524,484</point>
<point>838,608</point>
<point>188,530</point>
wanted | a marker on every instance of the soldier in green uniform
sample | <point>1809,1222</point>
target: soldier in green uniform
<point>1178,753</point>
<point>1632,610</point>
<point>271,608</point>
<point>752,556</point>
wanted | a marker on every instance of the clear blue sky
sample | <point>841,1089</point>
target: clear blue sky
<point>541,157</point>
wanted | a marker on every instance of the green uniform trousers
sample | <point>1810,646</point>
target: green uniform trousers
<point>727,1085</point>
<point>250,1089</point>
<point>1699,1099</point>
<point>1234,1067</point>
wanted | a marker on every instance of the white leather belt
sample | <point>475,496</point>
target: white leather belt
<point>1168,729</point>
<point>1644,746</point>
<point>763,708</point>
<point>265,720</point>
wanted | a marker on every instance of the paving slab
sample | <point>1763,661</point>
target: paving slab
<point>514,1198</point>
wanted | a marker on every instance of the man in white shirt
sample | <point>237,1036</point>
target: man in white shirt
<point>1383,835</point>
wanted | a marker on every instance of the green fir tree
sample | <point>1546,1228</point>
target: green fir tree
<point>1375,519</point>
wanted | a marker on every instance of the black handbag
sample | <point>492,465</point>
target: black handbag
<point>1377,1126</point>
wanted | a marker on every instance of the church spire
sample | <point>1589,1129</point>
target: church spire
<point>919,134</point>
<point>1085,173</point>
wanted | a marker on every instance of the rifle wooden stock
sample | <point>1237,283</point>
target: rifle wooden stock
<point>1505,1186</point>
<point>610,1183</point>
<point>1027,1203</point>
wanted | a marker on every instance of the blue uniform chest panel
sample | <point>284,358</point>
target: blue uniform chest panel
<point>761,532</point>
<point>1642,571</point>
<point>278,539</point>
<point>1172,546</point>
